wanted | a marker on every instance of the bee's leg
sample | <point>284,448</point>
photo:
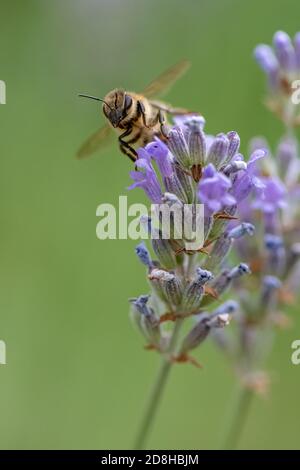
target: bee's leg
<point>162,121</point>
<point>142,112</point>
<point>130,152</point>
<point>125,147</point>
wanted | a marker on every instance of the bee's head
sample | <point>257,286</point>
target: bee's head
<point>115,106</point>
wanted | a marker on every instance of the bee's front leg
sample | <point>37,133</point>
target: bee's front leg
<point>125,147</point>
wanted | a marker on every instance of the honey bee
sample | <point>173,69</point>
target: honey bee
<point>136,118</point>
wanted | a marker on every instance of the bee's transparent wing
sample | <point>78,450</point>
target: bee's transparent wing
<point>95,141</point>
<point>166,80</point>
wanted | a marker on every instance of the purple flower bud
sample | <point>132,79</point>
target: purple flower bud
<point>179,147</point>
<point>140,304</point>
<point>273,242</point>
<point>265,57</point>
<point>146,320</point>
<point>164,252</point>
<point>193,293</point>
<point>223,281</point>
<point>287,155</point>
<point>239,271</point>
<point>270,285</point>
<point>230,306</point>
<point>205,324</point>
<point>143,254</point>
<point>203,276</point>
<point>182,185</point>
<point>160,152</point>
<point>297,49</point>
<point>271,282</point>
<point>241,230</point>
<point>218,151</point>
<point>234,144</point>
<point>197,146</point>
<point>287,151</point>
<point>169,284</point>
<point>191,121</point>
<point>218,253</point>
<point>284,50</point>
<point>276,253</point>
<point>197,334</point>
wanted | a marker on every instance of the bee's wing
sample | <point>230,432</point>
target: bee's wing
<point>95,141</point>
<point>166,80</point>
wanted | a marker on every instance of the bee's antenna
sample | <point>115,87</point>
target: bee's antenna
<point>94,98</point>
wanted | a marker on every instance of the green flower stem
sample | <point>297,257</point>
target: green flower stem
<point>236,421</point>
<point>157,390</point>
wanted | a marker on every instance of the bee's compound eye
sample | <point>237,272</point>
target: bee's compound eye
<point>128,101</point>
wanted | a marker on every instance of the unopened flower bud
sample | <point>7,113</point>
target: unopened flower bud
<point>197,146</point>
<point>143,254</point>
<point>179,147</point>
<point>228,307</point>
<point>239,271</point>
<point>270,285</point>
<point>218,150</point>
<point>145,318</point>
<point>241,230</point>
<point>234,144</point>
<point>164,250</point>
<point>203,276</point>
<point>197,334</point>
<point>284,51</point>
<point>194,291</point>
<point>169,285</point>
<point>276,253</point>
<point>218,253</point>
<point>223,281</point>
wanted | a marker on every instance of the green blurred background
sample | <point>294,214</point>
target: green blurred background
<point>76,374</point>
